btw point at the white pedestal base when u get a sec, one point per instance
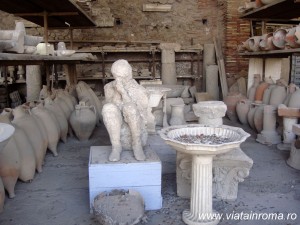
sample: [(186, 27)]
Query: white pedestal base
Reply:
[(128, 173)]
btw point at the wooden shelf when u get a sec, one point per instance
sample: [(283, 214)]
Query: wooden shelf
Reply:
[(58, 11), (270, 53), (279, 9)]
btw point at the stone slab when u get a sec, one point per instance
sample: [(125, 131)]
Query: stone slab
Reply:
[(128, 173)]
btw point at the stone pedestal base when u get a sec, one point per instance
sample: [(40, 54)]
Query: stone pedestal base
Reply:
[(294, 160), (228, 170), (268, 138), (128, 173)]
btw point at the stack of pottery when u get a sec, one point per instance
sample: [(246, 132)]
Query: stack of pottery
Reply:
[(83, 120)]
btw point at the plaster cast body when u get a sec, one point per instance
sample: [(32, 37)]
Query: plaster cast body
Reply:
[(125, 112)]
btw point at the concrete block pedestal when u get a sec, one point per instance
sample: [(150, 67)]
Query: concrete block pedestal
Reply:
[(128, 173)]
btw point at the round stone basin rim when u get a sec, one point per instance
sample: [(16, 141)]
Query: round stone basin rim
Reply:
[(236, 136)]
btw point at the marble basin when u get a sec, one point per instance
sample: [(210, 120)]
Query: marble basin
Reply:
[(235, 136), (6, 131)]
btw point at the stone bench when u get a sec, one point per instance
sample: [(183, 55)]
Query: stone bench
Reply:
[(228, 170)]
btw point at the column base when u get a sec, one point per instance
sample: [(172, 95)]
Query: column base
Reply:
[(187, 217), (268, 138), (284, 146)]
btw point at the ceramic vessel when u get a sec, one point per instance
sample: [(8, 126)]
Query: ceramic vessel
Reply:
[(259, 93), (266, 2), (252, 89), (51, 125), (278, 95), (231, 101), (242, 109), (294, 101), (10, 166), (60, 117), (28, 124), (266, 42), (279, 38), (177, 114), (267, 94), (27, 156), (291, 39), (250, 116), (258, 118), (291, 89), (83, 121), (254, 43)]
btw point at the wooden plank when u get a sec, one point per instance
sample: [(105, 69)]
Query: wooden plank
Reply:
[(255, 67), (221, 66)]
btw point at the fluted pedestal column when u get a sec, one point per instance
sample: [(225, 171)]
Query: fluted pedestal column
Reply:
[(269, 134), (201, 210)]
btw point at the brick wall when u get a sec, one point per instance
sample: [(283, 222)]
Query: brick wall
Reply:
[(237, 30)]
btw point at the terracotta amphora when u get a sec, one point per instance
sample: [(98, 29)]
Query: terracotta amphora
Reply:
[(242, 109), (291, 39), (291, 89), (60, 116), (83, 120), (252, 89), (267, 94), (30, 127), (259, 117), (51, 125), (85, 92), (27, 156), (231, 101), (279, 38), (10, 166), (278, 95), (2, 195), (295, 100), (250, 116), (260, 92)]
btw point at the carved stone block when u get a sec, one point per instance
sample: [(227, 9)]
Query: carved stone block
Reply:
[(228, 170)]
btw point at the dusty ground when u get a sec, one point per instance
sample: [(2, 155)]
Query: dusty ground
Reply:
[(59, 195)]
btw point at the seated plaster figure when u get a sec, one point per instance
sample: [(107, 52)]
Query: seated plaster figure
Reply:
[(125, 112)]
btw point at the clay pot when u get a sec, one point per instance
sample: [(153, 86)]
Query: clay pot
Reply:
[(44, 93), (278, 95), (254, 43), (266, 42), (279, 38), (27, 156), (83, 120), (28, 124), (258, 118), (250, 116), (60, 117), (61, 102), (60, 93), (267, 94), (291, 39), (242, 109), (10, 166), (2, 195), (51, 125), (231, 101), (295, 100), (85, 92), (260, 92), (291, 89), (252, 89)]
